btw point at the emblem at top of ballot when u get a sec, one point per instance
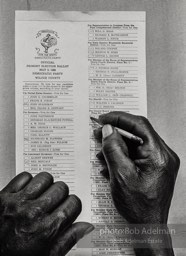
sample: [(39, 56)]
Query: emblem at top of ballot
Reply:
[(48, 40)]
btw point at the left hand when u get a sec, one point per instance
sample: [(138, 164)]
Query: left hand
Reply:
[(37, 215)]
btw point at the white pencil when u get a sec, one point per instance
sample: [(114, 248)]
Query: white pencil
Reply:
[(122, 132)]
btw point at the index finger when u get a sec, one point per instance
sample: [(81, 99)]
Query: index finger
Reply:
[(137, 125)]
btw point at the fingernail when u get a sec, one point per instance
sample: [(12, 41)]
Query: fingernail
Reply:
[(89, 229), (107, 130)]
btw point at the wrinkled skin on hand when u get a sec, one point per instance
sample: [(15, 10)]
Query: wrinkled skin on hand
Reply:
[(37, 215), (142, 177)]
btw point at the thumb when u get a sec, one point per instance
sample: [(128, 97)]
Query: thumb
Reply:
[(66, 240), (115, 152)]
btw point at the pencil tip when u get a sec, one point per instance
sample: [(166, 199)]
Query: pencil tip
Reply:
[(94, 119)]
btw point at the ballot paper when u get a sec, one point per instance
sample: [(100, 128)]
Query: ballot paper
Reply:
[(70, 66)]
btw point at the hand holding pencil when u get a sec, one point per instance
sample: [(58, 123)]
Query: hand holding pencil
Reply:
[(141, 186), (151, 171), (121, 132)]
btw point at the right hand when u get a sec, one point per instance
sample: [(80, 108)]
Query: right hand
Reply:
[(37, 215), (142, 177)]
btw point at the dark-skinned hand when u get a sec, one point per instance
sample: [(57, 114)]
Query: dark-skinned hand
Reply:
[(37, 215), (141, 177)]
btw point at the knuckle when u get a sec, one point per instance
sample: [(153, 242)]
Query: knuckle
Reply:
[(110, 144), (175, 161), (14, 204), (144, 123), (29, 210), (162, 160), (109, 147), (63, 216), (114, 146), (19, 212), (143, 120), (8, 206), (128, 172), (32, 212)]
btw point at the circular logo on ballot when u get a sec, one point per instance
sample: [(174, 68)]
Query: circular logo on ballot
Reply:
[(48, 40)]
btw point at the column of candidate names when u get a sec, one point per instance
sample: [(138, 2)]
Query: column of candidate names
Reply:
[(113, 85), (49, 129)]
